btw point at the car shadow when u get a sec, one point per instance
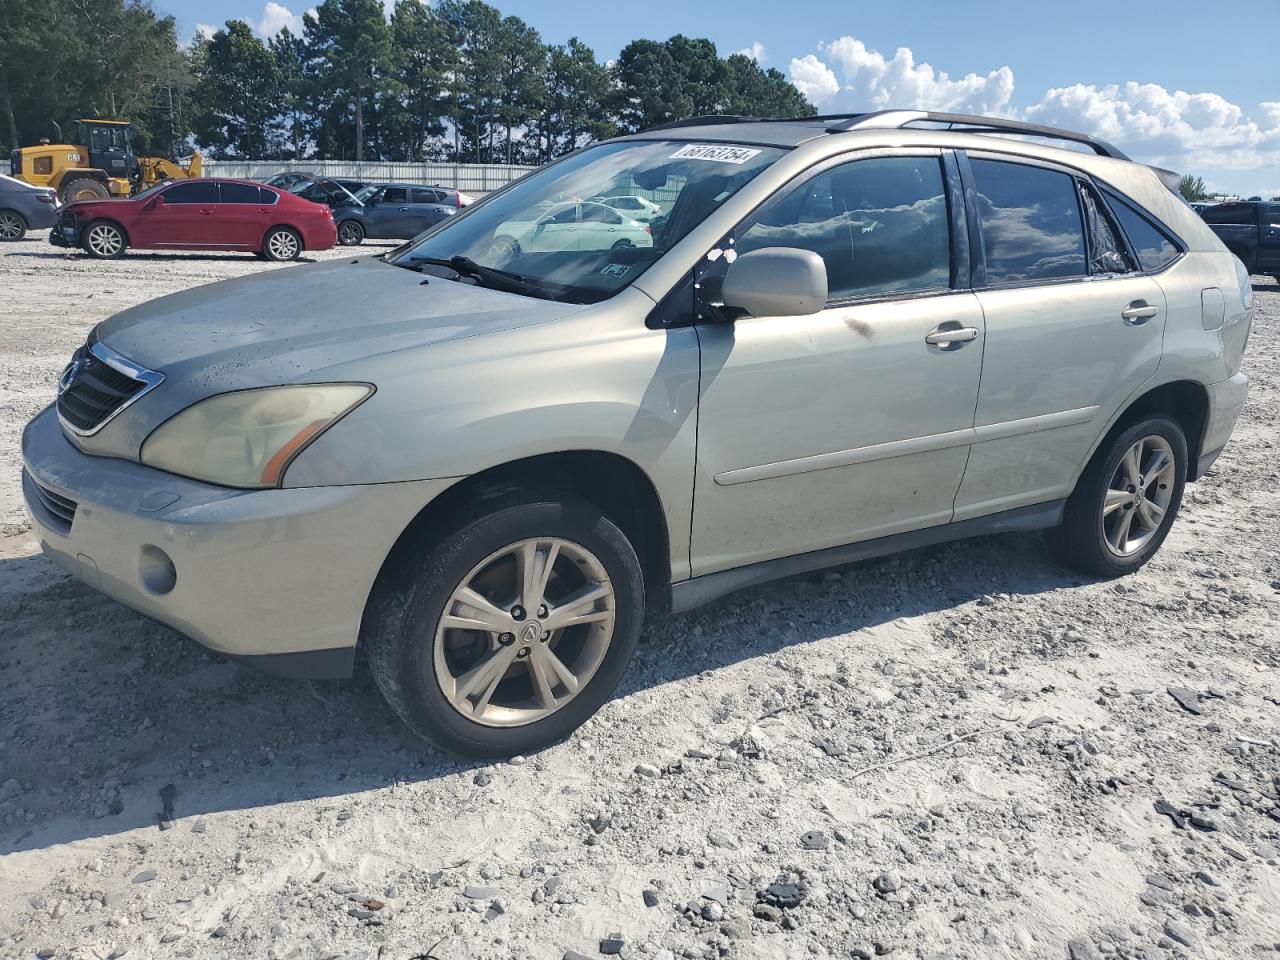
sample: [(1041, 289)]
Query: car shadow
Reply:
[(105, 712), (154, 255)]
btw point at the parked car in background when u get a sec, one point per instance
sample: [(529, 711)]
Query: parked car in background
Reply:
[(24, 207), (637, 208), (452, 196), (389, 211), (1251, 230), (204, 214), (571, 226), (329, 191), (849, 336), (288, 179)]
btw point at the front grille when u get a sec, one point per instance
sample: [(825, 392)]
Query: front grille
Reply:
[(61, 509), (92, 391)]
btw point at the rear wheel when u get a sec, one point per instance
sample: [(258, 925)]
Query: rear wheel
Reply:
[(83, 189), (12, 226), (1126, 500), (104, 240), (350, 233), (512, 630), (281, 243)]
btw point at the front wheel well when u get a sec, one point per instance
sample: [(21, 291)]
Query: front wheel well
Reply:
[(614, 484), (1185, 401)]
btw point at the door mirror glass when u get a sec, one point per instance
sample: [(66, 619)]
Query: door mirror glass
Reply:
[(776, 282), (156, 202)]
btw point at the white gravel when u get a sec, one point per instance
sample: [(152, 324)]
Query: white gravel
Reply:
[(954, 753)]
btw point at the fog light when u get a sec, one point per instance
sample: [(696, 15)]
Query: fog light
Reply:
[(156, 570)]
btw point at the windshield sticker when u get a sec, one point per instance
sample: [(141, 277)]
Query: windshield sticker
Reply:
[(720, 153), (616, 269)]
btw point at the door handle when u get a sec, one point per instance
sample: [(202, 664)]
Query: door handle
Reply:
[(1138, 313), (951, 336), (404, 209), (206, 213)]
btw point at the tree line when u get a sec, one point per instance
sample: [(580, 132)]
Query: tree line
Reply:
[(456, 80)]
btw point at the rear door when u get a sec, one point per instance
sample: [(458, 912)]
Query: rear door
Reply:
[(425, 209), (241, 217), (185, 219), (393, 214), (1073, 328), (1269, 237)]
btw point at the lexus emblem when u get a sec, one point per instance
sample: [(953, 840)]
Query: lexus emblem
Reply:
[(69, 374)]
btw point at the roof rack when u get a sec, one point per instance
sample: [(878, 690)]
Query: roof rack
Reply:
[(714, 118), (901, 119)]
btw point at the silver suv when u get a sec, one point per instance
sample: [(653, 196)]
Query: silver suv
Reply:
[(488, 455)]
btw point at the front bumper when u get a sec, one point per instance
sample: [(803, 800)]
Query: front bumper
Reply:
[(1226, 400), (278, 578), (65, 233)]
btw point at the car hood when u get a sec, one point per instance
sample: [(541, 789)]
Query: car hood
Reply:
[(287, 325)]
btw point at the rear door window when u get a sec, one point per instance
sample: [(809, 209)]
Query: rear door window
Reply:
[(1153, 247), (1031, 224), (395, 195), (880, 225), (239, 193), (194, 191), (420, 195)]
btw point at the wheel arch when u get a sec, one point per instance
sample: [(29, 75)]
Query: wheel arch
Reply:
[(616, 485), (1186, 401), (283, 225), (17, 213), (111, 220)]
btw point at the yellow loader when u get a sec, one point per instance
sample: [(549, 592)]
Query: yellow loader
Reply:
[(99, 165)]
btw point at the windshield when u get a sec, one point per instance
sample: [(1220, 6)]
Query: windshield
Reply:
[(154, 188), (574, 231)]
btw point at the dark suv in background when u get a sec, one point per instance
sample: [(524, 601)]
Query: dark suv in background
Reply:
[(1251, 230), (391, 211)]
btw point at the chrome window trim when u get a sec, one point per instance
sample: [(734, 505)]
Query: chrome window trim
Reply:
[(121, 364)]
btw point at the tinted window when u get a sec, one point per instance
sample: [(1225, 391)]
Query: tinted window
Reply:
[(267, 196), (1154, 249), (1273, 214), (599, 213), (239, 193), (423, 196), (395, 195), (568, 214), (195, 191), (880, 225), (1030, 219), (1229, 213)]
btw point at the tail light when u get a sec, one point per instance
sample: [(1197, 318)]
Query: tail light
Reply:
[(648, 230)]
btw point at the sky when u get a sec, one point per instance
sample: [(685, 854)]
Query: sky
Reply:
[(1158, 79)]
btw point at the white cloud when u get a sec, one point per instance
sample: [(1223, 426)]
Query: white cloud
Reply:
[(1202, 132), (205, 30), (275, 17), (755, 52), (873, 82)]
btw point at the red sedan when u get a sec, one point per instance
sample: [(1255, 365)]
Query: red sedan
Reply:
[(202, 214)]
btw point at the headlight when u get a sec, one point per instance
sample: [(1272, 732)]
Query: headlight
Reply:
[(247, 439)]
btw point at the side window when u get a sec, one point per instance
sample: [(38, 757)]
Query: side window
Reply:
[(1153, 247), (1229, 213), (1273, 214), (423, 196), (1031, 226), (599, 213), (395, 195), (1106, 248), (193, 191), (238, 193), (267, 197), (568, 214), (880, 225)]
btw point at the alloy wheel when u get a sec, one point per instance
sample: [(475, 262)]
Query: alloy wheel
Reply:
[(10, 226), (524, 632), (1138, 495), (350, 234), (105, 240), (283, 245)]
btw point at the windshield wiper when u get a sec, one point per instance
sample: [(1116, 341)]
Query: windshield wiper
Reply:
[(489, 276)]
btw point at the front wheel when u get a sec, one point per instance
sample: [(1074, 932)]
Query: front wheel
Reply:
[(281, 244), (12, 226), (350, 233), (1126, 500), (104, 240), (512, 630)]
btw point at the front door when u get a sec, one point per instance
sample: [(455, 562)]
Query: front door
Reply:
[(1073, 330), (184, 219), (850, 424)]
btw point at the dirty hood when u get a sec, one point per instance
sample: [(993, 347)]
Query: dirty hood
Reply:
[(288, 324)]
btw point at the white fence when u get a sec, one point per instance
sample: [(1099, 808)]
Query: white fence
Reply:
[(468, 177)]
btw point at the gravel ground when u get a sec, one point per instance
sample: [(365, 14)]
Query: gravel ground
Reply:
[(962, 752)]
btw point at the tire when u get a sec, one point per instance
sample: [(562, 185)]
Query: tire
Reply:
[(350, 233), (622, 245), (83, 189), (104, 240), (503, 248), (1088, 539), (13, 226), (415, 657), (282, 244)]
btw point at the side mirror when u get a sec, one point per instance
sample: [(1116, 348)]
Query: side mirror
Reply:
[(156, 202), (776, 282)]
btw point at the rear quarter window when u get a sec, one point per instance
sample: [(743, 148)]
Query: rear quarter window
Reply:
[(1152, 245)]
